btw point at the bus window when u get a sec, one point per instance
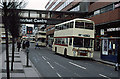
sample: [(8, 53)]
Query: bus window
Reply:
[(70, 41), (60, 27), (59, 40), (78, 42), (79, 24), (56, 28), (64, 26), (87, 42), (67, 25), (89, 26), (43, 40), (71, 25)]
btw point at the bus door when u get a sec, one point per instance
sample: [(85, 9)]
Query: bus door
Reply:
[(70, 46)]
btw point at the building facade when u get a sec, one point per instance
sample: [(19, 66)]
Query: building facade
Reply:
[(106, 16), (23, 30)]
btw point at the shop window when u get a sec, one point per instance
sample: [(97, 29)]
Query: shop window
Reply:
[(112, 47), (96, 12), (107, 8)]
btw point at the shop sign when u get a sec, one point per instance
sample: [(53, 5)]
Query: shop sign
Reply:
[(113, 29), (34, 20)]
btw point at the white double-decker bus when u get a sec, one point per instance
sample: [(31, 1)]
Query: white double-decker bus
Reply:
[(32, 39), (74, 38), (41, 38)]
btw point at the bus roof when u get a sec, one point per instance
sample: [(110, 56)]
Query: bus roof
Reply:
[(41, 32), (81, 19)]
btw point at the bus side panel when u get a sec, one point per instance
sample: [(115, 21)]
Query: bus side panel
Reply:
[(69, 51), (60, 48)]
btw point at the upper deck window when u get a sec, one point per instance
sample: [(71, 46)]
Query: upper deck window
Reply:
[(64, 26), (89, 26), (79, 24)]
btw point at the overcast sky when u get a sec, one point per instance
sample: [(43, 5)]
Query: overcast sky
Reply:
[(36, 4)]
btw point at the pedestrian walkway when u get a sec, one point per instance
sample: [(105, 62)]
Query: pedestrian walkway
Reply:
[(20, 69)]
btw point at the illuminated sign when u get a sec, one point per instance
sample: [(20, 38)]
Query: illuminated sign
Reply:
[(34, 20), (113, 29), (29, 30), (84, 35)]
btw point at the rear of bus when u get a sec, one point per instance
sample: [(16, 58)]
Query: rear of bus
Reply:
[(41, 38)]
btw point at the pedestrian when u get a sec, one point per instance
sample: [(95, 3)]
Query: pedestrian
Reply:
[(37, 46), (23, 45), (18, 45), (27, 43)]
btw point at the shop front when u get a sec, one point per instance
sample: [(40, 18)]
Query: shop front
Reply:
[(110, 45)]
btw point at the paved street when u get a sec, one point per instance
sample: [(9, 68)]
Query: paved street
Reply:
[(51, 65)]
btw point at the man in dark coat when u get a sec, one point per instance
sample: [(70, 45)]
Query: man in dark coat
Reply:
[(18, 45), (27, 44), (23, 45)]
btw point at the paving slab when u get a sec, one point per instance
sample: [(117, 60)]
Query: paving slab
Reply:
[(28, 72), (20, 71)]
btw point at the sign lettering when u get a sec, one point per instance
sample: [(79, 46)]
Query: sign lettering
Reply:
[(34, 20), (113, 29)]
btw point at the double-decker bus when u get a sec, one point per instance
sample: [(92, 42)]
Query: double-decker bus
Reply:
[(32, 39), (41, 38), (74, 38)]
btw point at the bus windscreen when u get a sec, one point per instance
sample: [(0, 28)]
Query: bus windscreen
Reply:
[(82, 42)]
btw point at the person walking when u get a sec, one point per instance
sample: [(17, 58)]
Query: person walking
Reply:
[(37, 46), (18, 45), (23, 45), (27, 43)]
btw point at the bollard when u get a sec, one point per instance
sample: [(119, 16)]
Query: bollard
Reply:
[(116, 67)]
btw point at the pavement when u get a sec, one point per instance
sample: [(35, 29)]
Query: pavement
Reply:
[(20, 68), (96, 57)]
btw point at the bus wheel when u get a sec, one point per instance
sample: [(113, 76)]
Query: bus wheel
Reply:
[(55, 50), (65, 52)]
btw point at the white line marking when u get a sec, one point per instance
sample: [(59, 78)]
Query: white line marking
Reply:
[(58, 74), (77, 65), (59, 65), (104, 76), (77, 74), (43, 57), (47, 58), (50, 65)]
